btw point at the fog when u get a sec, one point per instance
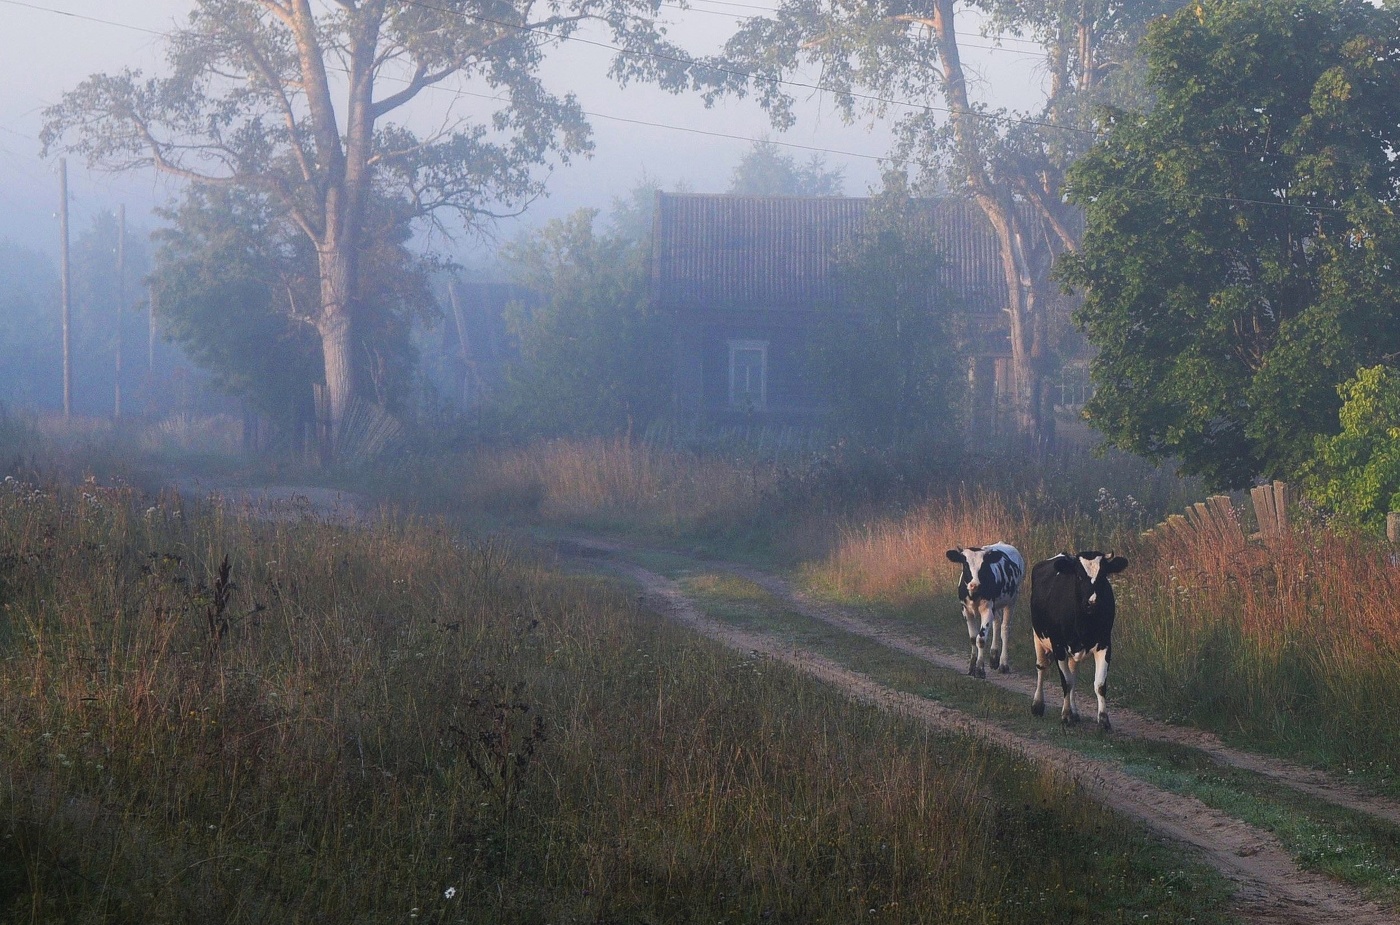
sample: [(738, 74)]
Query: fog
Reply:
[(47, 47)]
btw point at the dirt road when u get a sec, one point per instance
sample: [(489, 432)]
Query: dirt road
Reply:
[(1271, 887)]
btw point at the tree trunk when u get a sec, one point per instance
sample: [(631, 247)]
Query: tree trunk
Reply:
[(336, 326), (1010, 231)]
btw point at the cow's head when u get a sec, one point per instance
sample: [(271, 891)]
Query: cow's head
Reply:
[(1092, 568), (971, 559)]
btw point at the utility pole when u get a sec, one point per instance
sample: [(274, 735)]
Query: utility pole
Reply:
[(65, 289), (121, 306)]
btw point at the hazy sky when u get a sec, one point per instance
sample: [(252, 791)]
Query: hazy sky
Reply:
[(43, 53)]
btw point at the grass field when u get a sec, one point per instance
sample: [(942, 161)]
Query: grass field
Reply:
[(1289, 646), (398, 722)]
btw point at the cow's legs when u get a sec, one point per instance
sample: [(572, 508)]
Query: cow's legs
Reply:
[(974, 638), (1101, 687), (1042, 665), (1068, 713), (1001, 630)]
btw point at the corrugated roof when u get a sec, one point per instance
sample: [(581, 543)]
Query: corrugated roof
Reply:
[(713, 251)]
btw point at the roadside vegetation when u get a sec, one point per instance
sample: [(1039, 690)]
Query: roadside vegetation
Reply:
[(208, 717), (1288, 646)]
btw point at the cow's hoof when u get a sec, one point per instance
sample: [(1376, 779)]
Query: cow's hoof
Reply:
[(1038, 709), (1004, 668), (979, 672), (1069, 719), (1104, 724), (996, 661)]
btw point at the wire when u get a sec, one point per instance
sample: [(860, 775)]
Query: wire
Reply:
[(105, 22), (713, 134), (675, 59), (743, 16), (693, 62)]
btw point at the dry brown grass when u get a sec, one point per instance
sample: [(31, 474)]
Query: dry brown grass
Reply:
[(894, 559), (615, 480), (364, 724), (1296, 638)]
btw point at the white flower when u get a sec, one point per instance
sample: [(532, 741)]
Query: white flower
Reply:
[(450, 892)]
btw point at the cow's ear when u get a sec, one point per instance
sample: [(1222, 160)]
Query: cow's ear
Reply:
[(1112, 564), (956, 555), (1063, 564)]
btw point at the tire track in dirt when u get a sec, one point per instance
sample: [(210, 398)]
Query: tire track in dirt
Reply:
[(1315, 783), (1270, 888)]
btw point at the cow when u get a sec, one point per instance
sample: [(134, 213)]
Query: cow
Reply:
[(1072, 610), (991, 579)]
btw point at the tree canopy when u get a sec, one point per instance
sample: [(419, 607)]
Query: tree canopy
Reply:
[(594, 354), (1238, 262), (765, 170), (305, 105), (236, 285), (892, 354), (893, 57)]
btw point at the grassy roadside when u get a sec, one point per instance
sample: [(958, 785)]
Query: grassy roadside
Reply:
[(1322, 837), (1270, 647), (394, 723)]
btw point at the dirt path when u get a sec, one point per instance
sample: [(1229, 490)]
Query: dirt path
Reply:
[(1271, 888), (1314, 783), (281, 503)]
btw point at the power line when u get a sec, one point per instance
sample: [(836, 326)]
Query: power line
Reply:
[(105, 22), (674, 59), (484, 96), (1032, 53), (704, 132), (778, 81)]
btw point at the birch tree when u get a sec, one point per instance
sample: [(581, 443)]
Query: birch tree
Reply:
[(904, 59), (309, 105)]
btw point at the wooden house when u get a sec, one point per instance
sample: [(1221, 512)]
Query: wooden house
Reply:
[(475, 345), (747, 279)]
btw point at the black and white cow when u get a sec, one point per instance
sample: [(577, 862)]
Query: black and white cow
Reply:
[(991, 579), (1072, 612)]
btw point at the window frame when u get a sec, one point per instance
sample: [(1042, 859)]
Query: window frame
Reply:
[(737, 346)]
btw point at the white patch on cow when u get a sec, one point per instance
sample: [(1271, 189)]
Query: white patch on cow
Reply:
[(1101, 686), (1091, 567)]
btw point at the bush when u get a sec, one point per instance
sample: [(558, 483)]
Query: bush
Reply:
[(1357, 472)]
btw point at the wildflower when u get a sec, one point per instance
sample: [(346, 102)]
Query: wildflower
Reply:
[(450, 892)]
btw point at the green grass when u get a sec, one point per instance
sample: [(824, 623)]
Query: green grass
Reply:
[(1322, 837), (399, 722)]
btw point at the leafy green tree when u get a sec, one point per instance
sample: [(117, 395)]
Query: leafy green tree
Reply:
[(106, 322), (296, 102), (30, 343), (896, 57), (891, 355), (1356, 473), (632, 214), (1238, 263), (594, 354), (765, 170), (236, 285)]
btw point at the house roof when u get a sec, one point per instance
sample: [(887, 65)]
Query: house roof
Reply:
[(776, 252)]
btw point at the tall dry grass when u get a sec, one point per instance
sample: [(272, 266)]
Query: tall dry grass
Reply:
[(900, 559), (1291, 644), (209, 718), (1294, 640), (613, 481)]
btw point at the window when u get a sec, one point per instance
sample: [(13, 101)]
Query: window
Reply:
[(748, 374)]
